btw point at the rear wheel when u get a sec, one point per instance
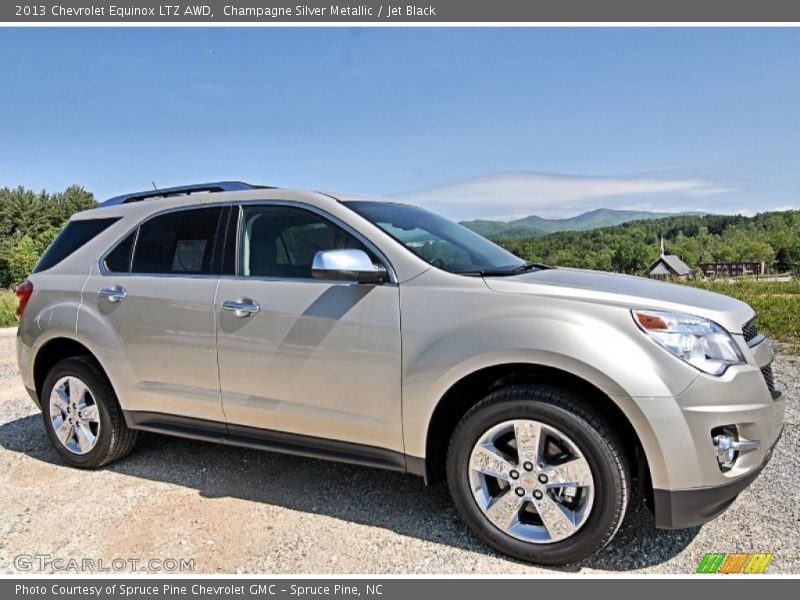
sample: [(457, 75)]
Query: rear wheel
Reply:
[(537, 475), (82, 416)]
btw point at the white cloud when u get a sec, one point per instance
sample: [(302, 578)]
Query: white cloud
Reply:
[(513, 195), (785, 207)]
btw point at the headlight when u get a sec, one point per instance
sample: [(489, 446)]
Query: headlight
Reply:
[(698, 341)]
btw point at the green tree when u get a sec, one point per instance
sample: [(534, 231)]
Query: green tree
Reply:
[(19, 254), (28, 223)]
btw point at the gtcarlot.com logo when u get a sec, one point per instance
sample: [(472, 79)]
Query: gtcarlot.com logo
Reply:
[(738, 562), (55, 564)]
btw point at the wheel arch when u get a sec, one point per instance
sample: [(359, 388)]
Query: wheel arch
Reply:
[(470, 389), (54, 351)]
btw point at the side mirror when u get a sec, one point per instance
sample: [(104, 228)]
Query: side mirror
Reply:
[(347, 265)]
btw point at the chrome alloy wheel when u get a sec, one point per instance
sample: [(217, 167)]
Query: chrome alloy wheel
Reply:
[(74, 415), (531, 481)]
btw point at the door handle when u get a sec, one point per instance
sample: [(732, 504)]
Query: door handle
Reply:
[(115, 294), (241, 308)]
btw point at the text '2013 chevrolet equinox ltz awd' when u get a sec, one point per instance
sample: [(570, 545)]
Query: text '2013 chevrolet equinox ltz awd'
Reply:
[(381, 334)]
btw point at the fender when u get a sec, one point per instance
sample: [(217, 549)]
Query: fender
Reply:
[(572, 343)]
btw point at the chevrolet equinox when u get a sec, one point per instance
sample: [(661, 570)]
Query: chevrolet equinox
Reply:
[(381, 334)]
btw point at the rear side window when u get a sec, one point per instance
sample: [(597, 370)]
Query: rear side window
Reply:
[(177, 243), (75, 235), (119, 260)]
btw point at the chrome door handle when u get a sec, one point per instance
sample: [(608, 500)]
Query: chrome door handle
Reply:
[(241, 308), (115, 294)]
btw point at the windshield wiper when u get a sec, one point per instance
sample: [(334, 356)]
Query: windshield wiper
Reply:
[(523, 268), (487, 273), (530, 266)]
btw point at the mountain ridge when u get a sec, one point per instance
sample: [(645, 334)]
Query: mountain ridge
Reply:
[(534, 225)]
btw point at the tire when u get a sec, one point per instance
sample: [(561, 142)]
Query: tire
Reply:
[(103, 437), (560, 426)]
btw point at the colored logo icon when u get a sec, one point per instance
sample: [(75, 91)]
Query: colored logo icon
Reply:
[(738, 562)]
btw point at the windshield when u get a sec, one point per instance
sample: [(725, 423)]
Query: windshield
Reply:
[(441, 242)]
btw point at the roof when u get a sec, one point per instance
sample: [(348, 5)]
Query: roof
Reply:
[(138, 209), (659, 268), (670, 263), (184, 190)]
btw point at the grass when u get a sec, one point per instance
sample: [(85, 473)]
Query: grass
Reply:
[(8, 309), (777, 304)]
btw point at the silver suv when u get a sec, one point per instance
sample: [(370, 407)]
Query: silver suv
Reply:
[(384, 335)]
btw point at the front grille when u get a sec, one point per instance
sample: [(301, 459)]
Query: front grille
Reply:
[(750, 330), (767, 373)]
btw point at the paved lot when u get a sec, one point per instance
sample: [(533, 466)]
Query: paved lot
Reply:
[(235, 510)]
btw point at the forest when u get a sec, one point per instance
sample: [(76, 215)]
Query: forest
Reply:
[(28, 223), (772, 237)]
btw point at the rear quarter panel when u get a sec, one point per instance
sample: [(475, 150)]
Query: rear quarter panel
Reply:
[(51, 313)]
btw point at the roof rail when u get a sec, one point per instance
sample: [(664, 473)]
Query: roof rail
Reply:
[(182, 190)]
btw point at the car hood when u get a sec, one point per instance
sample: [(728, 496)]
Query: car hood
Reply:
[(627, 291)]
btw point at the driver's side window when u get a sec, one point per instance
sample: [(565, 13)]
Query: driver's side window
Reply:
[(281, 241)]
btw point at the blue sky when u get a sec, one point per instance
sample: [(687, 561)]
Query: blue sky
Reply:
[(489, 123)]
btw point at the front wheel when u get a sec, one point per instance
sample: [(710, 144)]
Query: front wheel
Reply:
[(538, 475)]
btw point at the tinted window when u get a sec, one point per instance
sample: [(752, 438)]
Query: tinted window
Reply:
[(119, 260), (72, 237), (280, 241), (178, 243)]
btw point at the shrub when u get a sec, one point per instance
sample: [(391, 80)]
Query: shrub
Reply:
[(8, 309)]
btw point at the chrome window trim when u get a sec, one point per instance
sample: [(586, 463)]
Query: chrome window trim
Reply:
[(324, 215)]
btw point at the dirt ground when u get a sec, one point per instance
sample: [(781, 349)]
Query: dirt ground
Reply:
[(235, 510)]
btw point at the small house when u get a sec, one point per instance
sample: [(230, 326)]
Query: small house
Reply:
[(668, 265)]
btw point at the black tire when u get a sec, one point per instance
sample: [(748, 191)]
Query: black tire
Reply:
[(594, 437), (114, 439)]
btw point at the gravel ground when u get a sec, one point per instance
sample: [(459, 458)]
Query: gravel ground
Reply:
[(236, 510)]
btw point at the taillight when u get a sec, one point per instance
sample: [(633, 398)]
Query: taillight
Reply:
[(24, 293)]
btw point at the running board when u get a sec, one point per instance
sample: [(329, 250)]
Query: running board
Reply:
[(274, 441)]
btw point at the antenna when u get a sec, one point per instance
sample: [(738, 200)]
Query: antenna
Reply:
[(154, 185)]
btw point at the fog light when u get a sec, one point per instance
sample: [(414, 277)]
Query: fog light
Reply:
[(726, 455), (729, 446)]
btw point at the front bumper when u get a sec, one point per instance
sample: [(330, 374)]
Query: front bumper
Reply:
[(677, 435), (678, 509)]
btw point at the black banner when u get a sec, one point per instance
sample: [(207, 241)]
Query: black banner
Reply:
[(389, 11), (380, 589)]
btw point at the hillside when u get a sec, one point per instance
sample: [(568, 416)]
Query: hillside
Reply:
[(772, 237), (533, 225)]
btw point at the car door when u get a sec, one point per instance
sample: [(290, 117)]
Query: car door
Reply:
[(154, 293), (316, 358)]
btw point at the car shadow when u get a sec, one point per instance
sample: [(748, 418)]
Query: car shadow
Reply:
[(386, 499)]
